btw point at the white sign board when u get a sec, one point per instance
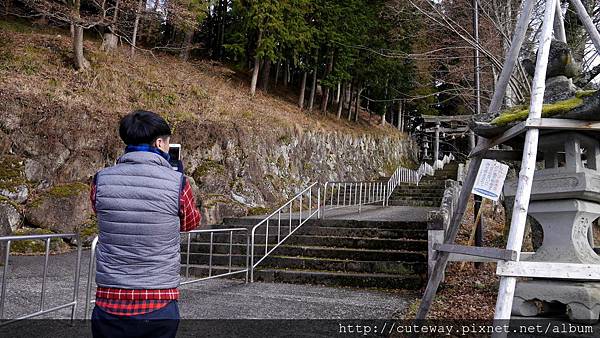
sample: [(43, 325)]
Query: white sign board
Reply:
[(490, 179)]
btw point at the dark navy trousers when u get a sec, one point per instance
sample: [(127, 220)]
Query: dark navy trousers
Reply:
[(162, 323)]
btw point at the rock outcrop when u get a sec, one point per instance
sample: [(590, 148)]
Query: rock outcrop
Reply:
[(64, 208), (236, 169)]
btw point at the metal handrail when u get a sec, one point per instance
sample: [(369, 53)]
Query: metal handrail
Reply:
[(290, 208), (359, 193), (210, 256), (47, 238), (188, 234)]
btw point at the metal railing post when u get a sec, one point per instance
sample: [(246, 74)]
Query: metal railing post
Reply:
[(230, 249), (247, 254), (210, 255), (360, 198), (319, 211), (77, 279), (252, 258), (267, 237), (44, 274), (88, 291), (187, 259), (319, 202), (4, 274)]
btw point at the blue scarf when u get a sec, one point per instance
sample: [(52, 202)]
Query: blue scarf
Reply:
[(148, 148)]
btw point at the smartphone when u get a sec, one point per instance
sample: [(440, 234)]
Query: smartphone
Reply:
[(175, 155)]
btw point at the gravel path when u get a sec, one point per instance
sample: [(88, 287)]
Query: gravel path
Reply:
[(215, 299)]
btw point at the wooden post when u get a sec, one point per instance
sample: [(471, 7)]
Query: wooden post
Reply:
[(471, 140), (506, 291), (559, 24), (402, 116), (442, 257), (399, 116), (513, 56), (476, 74), (587, 23), (436, 145)]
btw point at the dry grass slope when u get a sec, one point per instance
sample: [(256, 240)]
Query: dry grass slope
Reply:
[(36, 60)]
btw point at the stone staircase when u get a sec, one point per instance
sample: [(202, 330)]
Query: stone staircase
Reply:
[(380, 254), (428, 193), (336, 252)]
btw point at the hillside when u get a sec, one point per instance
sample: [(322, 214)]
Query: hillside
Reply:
[(35, 61), (245, 154)]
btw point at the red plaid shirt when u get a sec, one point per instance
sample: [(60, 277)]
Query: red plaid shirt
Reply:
[(126, 302)]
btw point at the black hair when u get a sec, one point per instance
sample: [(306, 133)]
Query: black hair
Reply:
[(142, 127)]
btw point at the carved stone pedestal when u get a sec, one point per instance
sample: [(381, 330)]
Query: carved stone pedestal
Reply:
[(580, 301), (565, 224), (565, 200)]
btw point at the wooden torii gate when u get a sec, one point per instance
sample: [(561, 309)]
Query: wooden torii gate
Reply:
[(432, 124), (509, 265)]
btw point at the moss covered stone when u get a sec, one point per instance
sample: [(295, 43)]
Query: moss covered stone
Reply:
[(4, 200), (520, 113), (63, 208), (207, 167), (67, 190), (12, 173), (33, 247), (258, 211)]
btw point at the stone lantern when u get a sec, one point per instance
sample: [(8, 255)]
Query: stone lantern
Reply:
[(565, 200)]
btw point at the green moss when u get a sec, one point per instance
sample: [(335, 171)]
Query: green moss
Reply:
[(199, 93), (17, 26), (389, 168), (404, 162), (90, 229), (212, 200), (207, 167), (12, 173), (59, 191), (67, 190), (285, 139), (10, 202), (280, 162), (307, 166), (6, 56), (548, 110), (36, 246), (401, 269), (258, 211)]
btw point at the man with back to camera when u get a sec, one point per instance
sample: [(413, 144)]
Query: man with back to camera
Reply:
[(141, 204)]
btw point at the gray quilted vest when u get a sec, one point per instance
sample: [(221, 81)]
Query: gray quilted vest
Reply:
[(137, 205)]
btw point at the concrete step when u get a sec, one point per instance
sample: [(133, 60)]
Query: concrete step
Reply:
[(416, 193), (421, 188), (415, 197), (204, 270), (325, 241), (324, 264), (368, 280), (251, 221), (326, 278), (401, 225), (363, 232), (431, 204), (314, 230), (343, 223), (285, 249), (218, 260), (310, 263), (359, 242)]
